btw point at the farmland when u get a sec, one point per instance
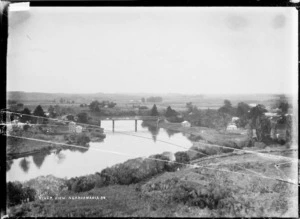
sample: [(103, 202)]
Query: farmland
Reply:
[(222, 173)]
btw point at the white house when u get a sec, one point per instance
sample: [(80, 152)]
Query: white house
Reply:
[(231, 126), (169, 155), (78, 129), (268, 114), (234, 119), (186, 124), (252, 104), (72, 127)]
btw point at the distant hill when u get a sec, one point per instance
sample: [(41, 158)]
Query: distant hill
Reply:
[(24, 97)]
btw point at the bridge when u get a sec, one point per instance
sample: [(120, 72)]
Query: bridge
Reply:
[(133, 118)]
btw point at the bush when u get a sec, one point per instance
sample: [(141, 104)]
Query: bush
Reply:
[(16, 194), (182, 157), (78, 139), (80, 184)]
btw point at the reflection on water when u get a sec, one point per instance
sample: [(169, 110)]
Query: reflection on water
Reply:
[(71, 161), (171, 132), (8, 164), (39, 158), (24, 164), (152, 129)]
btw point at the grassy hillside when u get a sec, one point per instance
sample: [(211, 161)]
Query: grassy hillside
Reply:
[(233, 190)]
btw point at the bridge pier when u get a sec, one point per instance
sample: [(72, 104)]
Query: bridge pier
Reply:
[(136, 125)]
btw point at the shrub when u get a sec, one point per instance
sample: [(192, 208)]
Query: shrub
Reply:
[(18, 194), (182, 157), (80, 184), (78, 139)]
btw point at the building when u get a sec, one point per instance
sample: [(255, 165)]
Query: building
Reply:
[(234, 119), (186, 124), (231, 127), (169, 155), (252, 104), (72, 127), (269, 114), (78, 129)]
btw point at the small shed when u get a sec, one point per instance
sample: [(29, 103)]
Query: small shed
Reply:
[(186, 124)]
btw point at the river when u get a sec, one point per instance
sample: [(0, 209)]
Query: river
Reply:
[(71, 163)]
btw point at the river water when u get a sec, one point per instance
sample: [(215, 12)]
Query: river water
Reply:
[(71, 163)]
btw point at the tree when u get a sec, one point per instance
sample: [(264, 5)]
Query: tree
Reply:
[(225, 113), (40, 113), (227, 103), (189, 106), (242, 109), (260, 122), (154, 111), (263, 128), (282, 104), (289, 128), (94, 106), (70, 117), (182, 157), (17, 193), (223, 120), (256, 112), (242, 112), (170, 112), (227, 108), (26, 116), (111, 104), (52, 112), (82, 118)]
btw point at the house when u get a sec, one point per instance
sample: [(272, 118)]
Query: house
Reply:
[(186, 124), (252, 104), (231, 127), (234, 119), (78, 129), (269, 114), (169, 155), (72, 127)]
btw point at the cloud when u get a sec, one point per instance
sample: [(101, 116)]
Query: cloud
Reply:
[(237, 22), (279, 21)]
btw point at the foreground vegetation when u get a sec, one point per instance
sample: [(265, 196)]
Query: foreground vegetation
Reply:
[(155, 188)]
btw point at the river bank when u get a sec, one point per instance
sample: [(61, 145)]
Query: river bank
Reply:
[(26, 143), (142, 187), (230, 139)]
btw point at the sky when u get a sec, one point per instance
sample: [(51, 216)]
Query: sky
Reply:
[(192, 50)]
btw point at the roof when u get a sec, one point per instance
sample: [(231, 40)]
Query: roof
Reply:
[(253, 104), (271, 114), (185, 122)]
